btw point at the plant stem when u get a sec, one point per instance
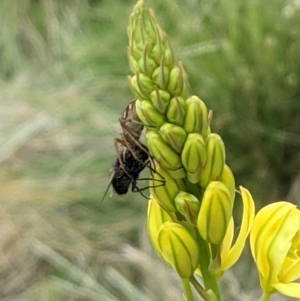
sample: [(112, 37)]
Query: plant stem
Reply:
[(198, 287), (265, 297), (204, 258), (187, 289)]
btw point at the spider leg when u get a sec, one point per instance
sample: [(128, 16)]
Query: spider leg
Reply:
[(130, 134), (126, 145), (153, 169), (106, 190), (162, 183), (116, 141), (135, 188)]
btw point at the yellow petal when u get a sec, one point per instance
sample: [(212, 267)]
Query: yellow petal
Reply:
[(227, 240), (264, 229), (290, 270), (247, 220), (288, 289), (282, 241), (156, 217), (262, 226)]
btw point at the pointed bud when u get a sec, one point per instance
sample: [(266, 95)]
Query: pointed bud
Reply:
[(185, 90), (194, 156), (188, 205), (173, 135), (147, 114), (146, 64), (175, 84), (132, 81), (163, 153), (135, 47), (215, 212), (196, 119), (133, 63), (165, 195), (176, 111), (160, 75), (160, 99), (178, 248), (157, 49), (215, 161), (144, 83), (227, 178), (169, 57)]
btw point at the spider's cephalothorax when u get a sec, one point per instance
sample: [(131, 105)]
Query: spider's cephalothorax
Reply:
[(132, 130)]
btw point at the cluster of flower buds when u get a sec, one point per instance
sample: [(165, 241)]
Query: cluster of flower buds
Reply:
[(193, 210)]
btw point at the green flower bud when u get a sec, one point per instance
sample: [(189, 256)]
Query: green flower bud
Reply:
[(177, 173), (160, 99), (215, 161), (135, 47), (156, 217), (132, 81), (178, 248), (175, 84), (176, 111), (227, 178), (185, 92), (160, 45), (194, 156), (169, 57), (146, 64), (153, 30), (144, 83), (196, 118), (215, 212), (165, 195), (161, 152), (160, 75), (147, 114), (133, 64), (173, 135), (188, 205)]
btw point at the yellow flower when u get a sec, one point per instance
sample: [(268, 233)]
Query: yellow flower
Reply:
[(275, 247)]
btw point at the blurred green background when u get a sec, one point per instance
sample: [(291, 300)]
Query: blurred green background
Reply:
[(63, 86)]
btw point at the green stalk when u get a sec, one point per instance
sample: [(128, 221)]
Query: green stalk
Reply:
[(192, 188), (198, 287), (265, 297), (187, 289), (209, 280)]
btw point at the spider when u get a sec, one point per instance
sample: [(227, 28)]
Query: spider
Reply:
[(134, 157)]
